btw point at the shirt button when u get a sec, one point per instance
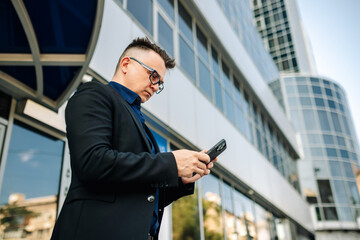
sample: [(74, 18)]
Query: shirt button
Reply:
[(151, 198)]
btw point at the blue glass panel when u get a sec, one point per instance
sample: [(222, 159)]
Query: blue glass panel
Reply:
[(335, 169), (215, 64), (240, 120), (314, 80), (348, 170), (202, 44), (336, 122), (185, 23), (162, 143), (187, 58), (328, 92), (229, 107), (62, 26), (13, 38), (331, 104), (319, 102), (165, 36), (25, 74), (305, 101), (324, 121), (340, 192), (303, 89), (143, 12), (57, 79), (204, 79), (33, 165), (331, 152), (218, 97), (168, 6), (328, 139), (316, 90)]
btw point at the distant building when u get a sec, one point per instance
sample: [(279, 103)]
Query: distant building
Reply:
[(35, 226)]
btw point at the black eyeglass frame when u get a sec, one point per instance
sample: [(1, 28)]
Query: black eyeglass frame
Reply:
[(159, 82)]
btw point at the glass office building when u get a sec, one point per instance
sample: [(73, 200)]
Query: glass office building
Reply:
[(218, 90), (279, 25), (317, 108), (319, 111)]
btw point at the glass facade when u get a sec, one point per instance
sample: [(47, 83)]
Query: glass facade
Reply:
[(240, 17), (271, 20), (331, 150), (205, 66), (30, 184)]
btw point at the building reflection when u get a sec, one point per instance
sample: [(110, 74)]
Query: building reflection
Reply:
[(31, 219)]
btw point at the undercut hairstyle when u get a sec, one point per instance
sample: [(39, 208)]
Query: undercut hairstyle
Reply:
[(146, 44)]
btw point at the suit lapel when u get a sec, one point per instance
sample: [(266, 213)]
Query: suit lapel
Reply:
[(135, 119)]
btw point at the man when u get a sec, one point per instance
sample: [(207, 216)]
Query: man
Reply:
[(120, 182)]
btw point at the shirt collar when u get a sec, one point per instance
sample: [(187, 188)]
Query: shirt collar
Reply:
[(129, 96)]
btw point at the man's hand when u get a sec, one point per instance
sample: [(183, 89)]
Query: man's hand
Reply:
[(192, 165)]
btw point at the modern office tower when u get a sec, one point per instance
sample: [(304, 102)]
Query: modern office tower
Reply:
[(279, 25), (218, 90), (319, 111)]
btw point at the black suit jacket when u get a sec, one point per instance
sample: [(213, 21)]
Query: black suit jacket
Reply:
[(114, 174)]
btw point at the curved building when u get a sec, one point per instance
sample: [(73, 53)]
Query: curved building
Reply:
[(319, 111), (217, 90)]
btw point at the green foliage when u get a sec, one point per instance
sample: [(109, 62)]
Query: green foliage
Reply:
[(14, 216), (185, 218)]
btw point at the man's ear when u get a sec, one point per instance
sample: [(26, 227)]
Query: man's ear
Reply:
[(124, 64)]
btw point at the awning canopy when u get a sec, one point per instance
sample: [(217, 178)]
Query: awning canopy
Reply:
[(46, 46)]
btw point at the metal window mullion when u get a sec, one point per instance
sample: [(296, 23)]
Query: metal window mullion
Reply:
[(7, 141)]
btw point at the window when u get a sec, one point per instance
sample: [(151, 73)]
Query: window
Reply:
[(328, 92), (202, 44), (244, 216), (330, 213), (212, 207), (218, 94), (168, 6), (324, 122), (165, 36), (309, 120), (32, 171), (331, 152), (316, 90), (319, 102), (204, 79), (143, 14), (340, 192), (335, 168), (325, 191), (354, 193), (336, 122), (320, 169), (185, 23), (303, 89), (187, 58), (229, 211), (348, 170), (328, 139)]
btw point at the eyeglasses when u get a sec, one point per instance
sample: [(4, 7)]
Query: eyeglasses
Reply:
[(154, 76)]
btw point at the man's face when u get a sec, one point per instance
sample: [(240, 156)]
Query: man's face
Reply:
[(137, 75)]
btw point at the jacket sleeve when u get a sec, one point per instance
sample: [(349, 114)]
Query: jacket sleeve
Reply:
[(89, 120)]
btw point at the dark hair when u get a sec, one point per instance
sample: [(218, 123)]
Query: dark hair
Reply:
[(146, 44)]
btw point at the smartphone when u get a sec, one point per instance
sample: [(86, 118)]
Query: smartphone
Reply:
[(216, 149)]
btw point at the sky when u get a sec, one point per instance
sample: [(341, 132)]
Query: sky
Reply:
[(333, 30)]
